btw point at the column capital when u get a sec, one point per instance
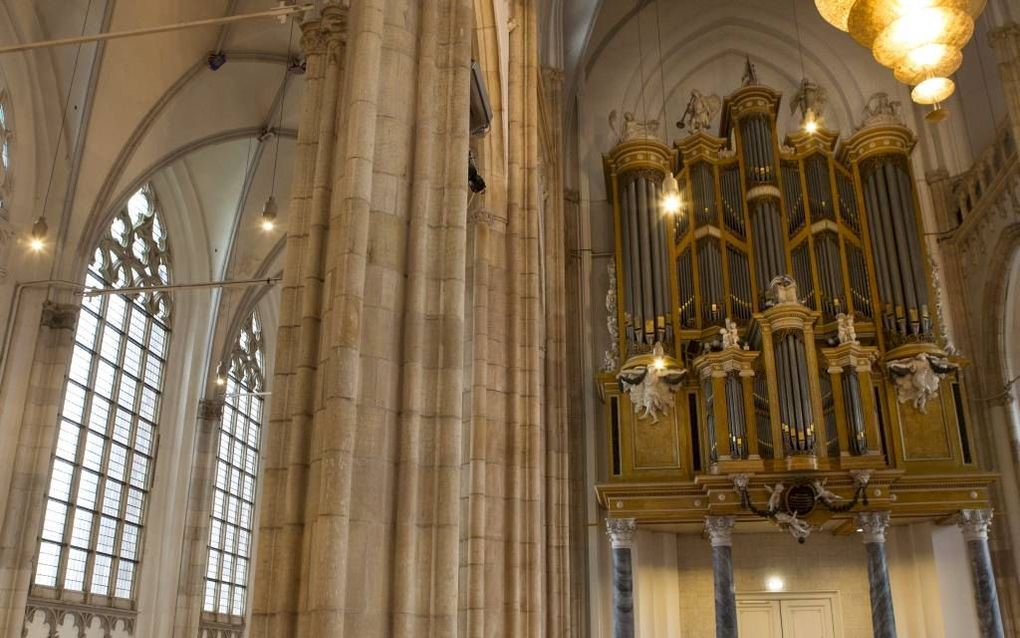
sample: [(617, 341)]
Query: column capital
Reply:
[(60, 316), (621, 532), (873, 524), (316, 35), (1002, 34), (211, 409), (975, 524), (720, 530)]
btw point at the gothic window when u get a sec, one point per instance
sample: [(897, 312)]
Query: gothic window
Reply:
[(91, 540), (237, 458), (5, 153)]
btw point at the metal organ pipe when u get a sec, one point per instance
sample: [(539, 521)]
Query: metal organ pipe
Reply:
[(901, 244), (647, 305), (658, 279), (885, 289), (735, 409), (633, 265)]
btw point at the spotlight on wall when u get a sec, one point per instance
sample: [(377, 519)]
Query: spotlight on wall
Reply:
[(475, 181), (775, 583), (221, 374), (216, 59), (269, 214), (37, 240)]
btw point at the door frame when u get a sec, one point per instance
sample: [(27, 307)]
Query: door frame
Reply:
[(831, 595)]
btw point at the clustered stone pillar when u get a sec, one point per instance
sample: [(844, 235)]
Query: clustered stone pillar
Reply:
[(621, 534), (1005, 40), (874, 524), (720, 534), (975, 524), (414, 465)]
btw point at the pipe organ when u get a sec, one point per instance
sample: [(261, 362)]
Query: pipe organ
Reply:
[(793, 288)]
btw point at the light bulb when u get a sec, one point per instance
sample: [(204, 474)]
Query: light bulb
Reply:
[(660, 363), (671, 201), (811, 126), (37, 240), (269, 214), (220, 377)]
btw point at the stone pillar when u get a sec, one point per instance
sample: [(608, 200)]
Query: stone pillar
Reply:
[(975, 524), (1006, 42), (720, 533), (194, 555), (35, 440), (874, 524), (621, 533)]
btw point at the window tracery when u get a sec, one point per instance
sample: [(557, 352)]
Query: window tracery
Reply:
[(6, 136), (237, 457), (91, 540)]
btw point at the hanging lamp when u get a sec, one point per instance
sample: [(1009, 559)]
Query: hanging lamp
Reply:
[(921, 41), (671, 202)]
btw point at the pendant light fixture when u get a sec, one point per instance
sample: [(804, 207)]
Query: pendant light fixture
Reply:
[(269, 209), (40, 229), (672, 203), (809, 119), (920, 40)]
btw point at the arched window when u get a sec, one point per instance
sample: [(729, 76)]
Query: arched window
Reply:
[(237, 459), (5, 152), (91, 539)]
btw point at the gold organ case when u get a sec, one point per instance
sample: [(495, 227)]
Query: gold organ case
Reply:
[(797, 397)]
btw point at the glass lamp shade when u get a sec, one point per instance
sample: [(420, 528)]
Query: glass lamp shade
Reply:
[(933, 91), (931, 60), (835, 12), (925, 22), (913, 36)]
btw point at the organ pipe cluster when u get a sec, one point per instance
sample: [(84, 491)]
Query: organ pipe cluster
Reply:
[(786, 240)]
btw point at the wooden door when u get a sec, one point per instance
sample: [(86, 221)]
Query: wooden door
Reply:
[(759, 619), (810, 618)]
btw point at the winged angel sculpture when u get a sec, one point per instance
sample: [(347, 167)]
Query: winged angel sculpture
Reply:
[(917, 378)]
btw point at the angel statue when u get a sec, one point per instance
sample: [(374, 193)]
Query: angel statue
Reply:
[(845, 327), (701, 111), (652, 383), (917, 378), (775, 496), (800, 529), (783, 290), (823, 493), (632, 128), (730, 335)]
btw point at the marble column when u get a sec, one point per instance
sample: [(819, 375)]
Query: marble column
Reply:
[(975, 524), (874, 524), (621, 534), (720, 533)]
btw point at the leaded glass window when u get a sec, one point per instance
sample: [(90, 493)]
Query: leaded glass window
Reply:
[(5, 151), (91, 539), (237, 459)]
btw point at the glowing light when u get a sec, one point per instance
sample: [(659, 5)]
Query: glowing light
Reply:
[(775, 583), (671, 200), (269, 214), (659, 363), (221, 379), (933, 90), (811, 126), (36, 245), (917, 39)]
